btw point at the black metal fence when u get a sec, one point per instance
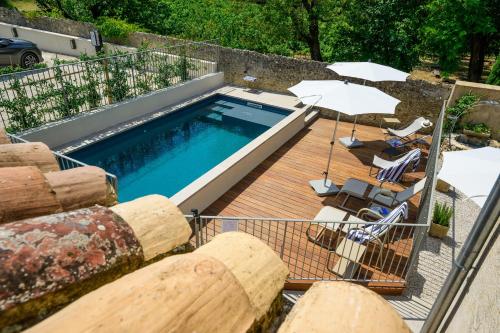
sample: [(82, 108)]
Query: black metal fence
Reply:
[(31, 98), (320, 250)]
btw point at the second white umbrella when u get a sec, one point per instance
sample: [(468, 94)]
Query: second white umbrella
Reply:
[(343, 97), (474, 172), (366, 71)]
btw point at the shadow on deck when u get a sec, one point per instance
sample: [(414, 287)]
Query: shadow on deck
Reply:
[(278, 189)]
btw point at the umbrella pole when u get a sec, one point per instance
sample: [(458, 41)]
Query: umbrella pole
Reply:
[(354, 127), (355, 120), (332, 143)]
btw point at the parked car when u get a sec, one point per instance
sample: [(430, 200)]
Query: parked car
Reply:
[(19, 52)]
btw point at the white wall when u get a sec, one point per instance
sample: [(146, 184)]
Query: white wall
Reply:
[(480, 307), (49, 41), (63, 132)]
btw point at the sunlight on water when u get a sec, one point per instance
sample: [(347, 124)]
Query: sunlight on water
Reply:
[(165, 155)]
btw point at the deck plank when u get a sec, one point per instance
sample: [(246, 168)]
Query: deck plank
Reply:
[(278, 188)]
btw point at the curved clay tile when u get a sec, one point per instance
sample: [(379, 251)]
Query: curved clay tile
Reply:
[(157, 222), (258, 268), (28, 154), (25, 193), (48, 261), (342, 307), (184, 293)]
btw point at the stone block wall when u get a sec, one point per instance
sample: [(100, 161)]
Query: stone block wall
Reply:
[(62, 26), (273, 72), (485, 91), (277, 73), (486, 111)]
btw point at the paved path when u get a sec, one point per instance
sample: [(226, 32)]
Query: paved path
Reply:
[(435, 262)]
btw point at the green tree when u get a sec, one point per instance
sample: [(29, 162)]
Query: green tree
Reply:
[(494, 77), (385, 31), (306, 18), (456, 27)]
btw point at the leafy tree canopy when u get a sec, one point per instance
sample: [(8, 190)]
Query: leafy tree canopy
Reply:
[(392, 32)]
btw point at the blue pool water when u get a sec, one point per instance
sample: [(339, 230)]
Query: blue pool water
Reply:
[(165, 155)]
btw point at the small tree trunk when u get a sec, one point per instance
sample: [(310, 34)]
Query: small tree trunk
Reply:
[(314, 46), (479, 43), (313, 38)]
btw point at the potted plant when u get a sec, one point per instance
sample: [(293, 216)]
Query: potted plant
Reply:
[(440, 220), (478, 130)]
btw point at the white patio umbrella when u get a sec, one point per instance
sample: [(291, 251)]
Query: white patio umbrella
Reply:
[(473, 172), (343, 97), (367, 71)]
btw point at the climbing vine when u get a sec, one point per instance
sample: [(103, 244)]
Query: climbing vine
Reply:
[(166, 73), (32, 99), (19, 106)]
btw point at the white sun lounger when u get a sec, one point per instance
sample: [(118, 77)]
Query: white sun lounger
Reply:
[(413, 128), (352, 248), (385, 164), (327, 214)]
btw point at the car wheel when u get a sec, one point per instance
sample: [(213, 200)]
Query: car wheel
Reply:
[(29, 59)]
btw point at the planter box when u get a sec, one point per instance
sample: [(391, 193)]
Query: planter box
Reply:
[(438, 230), (442, 186), (477, 135)]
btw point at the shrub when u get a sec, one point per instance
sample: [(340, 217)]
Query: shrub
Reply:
[(115, 30), (442, 214), (477, 128), (117, 86), (166, 73), (18, 108), (494, 77), (183, 66), (16, 69), (462, 105)]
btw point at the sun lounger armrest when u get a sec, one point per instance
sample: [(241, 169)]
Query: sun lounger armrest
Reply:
[(370, 213)]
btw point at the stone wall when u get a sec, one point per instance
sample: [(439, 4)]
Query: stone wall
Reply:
[(277, 73), (486, 111), (274, 73), (62, 26), (485, 91)]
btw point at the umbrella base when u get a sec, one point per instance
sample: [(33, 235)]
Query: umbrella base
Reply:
[(350, 143), (323, 187)]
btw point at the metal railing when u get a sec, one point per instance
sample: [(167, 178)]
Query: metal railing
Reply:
[(321, 250), (427, 199), (66, 162), (32, 98)]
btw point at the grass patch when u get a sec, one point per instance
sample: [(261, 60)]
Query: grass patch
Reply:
[(24, 5)]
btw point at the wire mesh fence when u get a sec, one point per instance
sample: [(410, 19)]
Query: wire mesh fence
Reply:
[(323, 250), (31, 98)]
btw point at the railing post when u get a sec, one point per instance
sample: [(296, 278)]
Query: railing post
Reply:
[(283, 244), (196, 227)]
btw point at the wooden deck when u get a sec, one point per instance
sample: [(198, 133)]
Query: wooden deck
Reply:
[(278, 188)]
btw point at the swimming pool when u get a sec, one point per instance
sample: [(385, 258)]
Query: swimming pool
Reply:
[(168, 153)]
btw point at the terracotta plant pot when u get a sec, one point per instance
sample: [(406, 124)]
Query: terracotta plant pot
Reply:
[(438, 230), (442, 186), (477, 135)]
